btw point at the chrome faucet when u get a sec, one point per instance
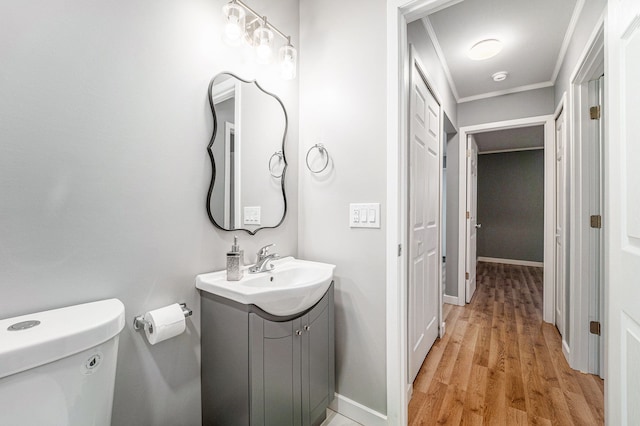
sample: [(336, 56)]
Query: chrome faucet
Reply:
[(263, 260)]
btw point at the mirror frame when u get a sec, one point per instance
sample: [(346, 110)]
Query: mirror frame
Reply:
[(213, 163)]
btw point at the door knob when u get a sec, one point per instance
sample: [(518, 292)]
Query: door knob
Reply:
[(478, 225), (298, 333)]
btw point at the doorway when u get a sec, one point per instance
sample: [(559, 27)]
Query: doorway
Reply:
[(399, 13), (547, 122)]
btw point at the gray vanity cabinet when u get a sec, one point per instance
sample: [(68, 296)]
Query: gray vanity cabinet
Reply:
[(280, 372)]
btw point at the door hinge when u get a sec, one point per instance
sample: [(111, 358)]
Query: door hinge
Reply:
[(594, 327), (596, 221), (399, 250), (466, 275), (468, 215), (594, 112), (468, 153)]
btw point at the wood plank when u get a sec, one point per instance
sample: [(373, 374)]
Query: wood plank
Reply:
[(593, 394), (452, 406), (516, 417), (499, 363), (476, 389), (471, 419)]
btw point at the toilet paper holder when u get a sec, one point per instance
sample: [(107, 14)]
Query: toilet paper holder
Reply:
[(139, 322)]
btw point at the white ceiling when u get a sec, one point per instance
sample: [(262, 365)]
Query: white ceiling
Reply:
[(510, 139), (534, 33)]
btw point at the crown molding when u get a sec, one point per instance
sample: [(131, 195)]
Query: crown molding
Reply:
[(506, 91)]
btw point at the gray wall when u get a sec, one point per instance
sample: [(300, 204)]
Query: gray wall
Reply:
[(511, 205), (419, 38), (104, 123), (531, 103), (589, 16), (343, 105)]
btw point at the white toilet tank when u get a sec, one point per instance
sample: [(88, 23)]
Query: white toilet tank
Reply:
[(58, 367)]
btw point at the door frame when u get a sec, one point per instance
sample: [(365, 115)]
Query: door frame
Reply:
[(589, 63), (399, 13), (548, 121)]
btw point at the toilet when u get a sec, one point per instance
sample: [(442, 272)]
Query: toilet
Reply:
[(58, 367)]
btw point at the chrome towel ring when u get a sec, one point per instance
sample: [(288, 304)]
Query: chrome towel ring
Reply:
[(280, 157), (323, 151)]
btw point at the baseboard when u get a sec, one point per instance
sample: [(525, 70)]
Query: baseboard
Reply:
[(566, 351), (357, 412), (451, 300), (511, 261)]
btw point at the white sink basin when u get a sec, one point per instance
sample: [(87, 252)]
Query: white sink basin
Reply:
[(291, 287)]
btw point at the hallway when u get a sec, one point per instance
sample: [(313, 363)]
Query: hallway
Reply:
[(500, 364)]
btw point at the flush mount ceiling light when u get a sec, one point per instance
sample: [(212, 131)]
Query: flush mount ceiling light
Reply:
[(244, 23), (500, 76), (485, 49)]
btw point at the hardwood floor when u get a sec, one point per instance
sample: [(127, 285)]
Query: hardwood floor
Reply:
[(499, 364)]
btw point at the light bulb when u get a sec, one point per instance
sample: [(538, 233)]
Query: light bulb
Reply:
[(235, 17), (288, 61), (262, 39)]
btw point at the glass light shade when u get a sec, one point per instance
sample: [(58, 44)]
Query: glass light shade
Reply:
[(235, 17), (485, 49), (262, 40), (288, 62)]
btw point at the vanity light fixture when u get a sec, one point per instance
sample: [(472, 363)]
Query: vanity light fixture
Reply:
[(485, 49), (262, 40), (235, 23), (500, 76), (288, 59), (242, 22)]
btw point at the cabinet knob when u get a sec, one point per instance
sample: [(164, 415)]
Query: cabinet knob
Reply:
[(298, 333), (307, 327)]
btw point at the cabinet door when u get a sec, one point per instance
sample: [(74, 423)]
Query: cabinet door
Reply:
[(275, 372), (317, 361)]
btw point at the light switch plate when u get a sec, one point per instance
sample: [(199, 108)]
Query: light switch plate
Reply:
[(252, 215), (364, 215)]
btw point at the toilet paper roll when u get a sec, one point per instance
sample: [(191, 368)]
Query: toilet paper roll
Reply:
[(165, 323)]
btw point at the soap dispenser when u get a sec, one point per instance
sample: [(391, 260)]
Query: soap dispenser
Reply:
[(235, 262)]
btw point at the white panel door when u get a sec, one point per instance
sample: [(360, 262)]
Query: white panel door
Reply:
[(472, 217), (424, 184), (560, 258), (621, 223)]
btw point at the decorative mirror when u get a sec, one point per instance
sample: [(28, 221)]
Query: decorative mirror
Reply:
[(247, 155)]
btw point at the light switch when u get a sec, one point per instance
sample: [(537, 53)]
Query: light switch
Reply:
[(364, 215), (252, 215)]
